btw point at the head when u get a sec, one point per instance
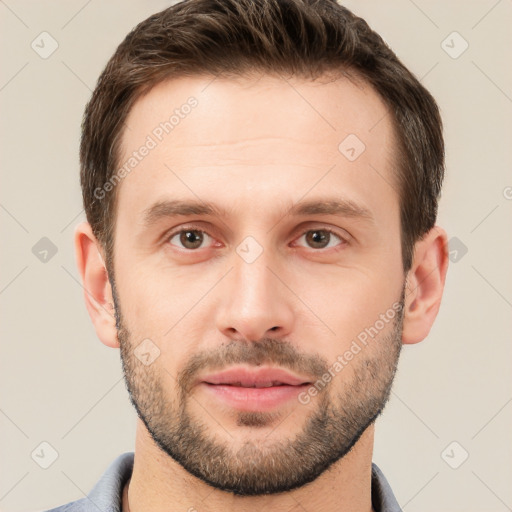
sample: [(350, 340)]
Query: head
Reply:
[(261, 181)]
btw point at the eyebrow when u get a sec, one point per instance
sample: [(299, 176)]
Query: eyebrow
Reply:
[(328, 206), (340, 207)]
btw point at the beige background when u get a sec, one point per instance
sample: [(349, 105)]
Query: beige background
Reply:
[(60, 385)]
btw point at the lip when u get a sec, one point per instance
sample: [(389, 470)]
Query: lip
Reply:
[(253, 399), (261, 389), (250, 377)]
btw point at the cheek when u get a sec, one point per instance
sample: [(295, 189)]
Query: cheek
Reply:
[(166, 312), (346, 304), (150, 300)]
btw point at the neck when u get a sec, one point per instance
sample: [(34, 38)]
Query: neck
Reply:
[(159, 484)]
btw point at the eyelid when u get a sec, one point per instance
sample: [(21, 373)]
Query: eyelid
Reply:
[(316, 226)]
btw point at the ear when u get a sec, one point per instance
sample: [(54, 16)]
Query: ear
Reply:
[(97, 289), (425, 285)]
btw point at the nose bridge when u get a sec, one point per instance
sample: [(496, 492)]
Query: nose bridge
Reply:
[(253, 281), (254, 300)]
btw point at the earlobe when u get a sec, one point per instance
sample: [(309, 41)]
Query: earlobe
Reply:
[(97, 289), (425, 285)]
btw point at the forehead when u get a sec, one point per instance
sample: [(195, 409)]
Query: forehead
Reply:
[(256, 134), (228, 110)]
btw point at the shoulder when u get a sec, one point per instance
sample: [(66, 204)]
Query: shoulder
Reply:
[(383, 499), (73, 506), (107, 493)]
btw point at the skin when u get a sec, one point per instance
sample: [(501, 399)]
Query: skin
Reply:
[(239, 148)]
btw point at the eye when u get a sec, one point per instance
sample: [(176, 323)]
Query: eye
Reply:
[(190, 238), (321, 238)]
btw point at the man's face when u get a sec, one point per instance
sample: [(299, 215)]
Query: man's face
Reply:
[(212, 304)]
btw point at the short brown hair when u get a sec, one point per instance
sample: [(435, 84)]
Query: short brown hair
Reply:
[(302, 38)]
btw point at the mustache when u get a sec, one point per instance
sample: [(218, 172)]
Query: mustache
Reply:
[(255, 353)]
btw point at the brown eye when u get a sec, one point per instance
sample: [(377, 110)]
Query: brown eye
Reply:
[(318, 239), (321, 238), (189, 238)]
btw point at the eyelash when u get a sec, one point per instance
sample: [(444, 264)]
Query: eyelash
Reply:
[(343, 240)]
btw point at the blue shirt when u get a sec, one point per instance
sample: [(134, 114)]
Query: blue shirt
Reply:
[(106, 495)]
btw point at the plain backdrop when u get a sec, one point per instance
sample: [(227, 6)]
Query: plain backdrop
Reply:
[(444, 440)]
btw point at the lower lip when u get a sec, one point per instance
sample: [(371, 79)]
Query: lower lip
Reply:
[(254, 399)]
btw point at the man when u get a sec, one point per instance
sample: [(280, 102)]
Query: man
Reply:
[(261, 182)]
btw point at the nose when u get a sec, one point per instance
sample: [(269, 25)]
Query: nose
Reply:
[(255, 303)]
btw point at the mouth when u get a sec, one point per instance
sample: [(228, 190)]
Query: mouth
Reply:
[(250, 389), (258, 384), (255, 378)]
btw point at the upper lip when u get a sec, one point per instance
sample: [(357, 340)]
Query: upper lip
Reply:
[(260, 377)]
